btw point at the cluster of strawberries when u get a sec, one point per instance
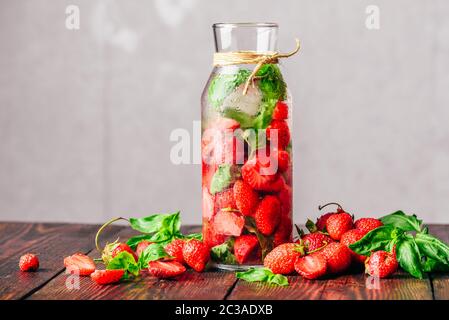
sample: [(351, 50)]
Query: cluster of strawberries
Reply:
[(325, 250), (190, 252), (265, 197)]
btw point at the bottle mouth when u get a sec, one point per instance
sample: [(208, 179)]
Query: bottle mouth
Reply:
[(245, 25)]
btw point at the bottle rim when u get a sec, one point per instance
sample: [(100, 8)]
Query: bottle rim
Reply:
[(245, 25)]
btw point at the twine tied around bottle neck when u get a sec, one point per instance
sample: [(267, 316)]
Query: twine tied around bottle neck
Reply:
[(251, 57)]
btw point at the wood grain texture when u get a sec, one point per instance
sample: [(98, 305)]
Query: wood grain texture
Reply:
[(440, 281), (189, 286), (211, 285), (51, 242)]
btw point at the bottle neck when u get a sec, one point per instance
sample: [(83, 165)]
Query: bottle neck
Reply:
[(258, 37)]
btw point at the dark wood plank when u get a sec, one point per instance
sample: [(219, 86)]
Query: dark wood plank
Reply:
[(211, 285), (299, 289), (51, 242), (440, 281), (189, 286), (357, 286)]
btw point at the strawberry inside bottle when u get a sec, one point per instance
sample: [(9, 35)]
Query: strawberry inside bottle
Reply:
[(246, 151)]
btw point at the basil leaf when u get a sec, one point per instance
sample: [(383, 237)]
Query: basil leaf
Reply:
[(223, 84), (430, 265), (433, 248), (197, 236), (222, 253), (262, 275), (162, 227), (378, 239), (245, 120), (409, 257), (222, 178), (400, 220), (134, 241), (156, 222), (273, 88), (124, 260), (153, 252)]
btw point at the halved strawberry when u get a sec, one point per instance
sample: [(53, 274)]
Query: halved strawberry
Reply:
[(141, 246), (165, 269), (107, 276), (311, 266), (174, 249), (280, 111), (228, 223), (279, 127), (124, 247), (210, 237), (246, 199), (208, 204), (244, 246), (268, 214), (221, 146), (79, 263), (225, 200)]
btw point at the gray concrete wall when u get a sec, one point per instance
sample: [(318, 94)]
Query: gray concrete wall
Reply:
[(85, 115)]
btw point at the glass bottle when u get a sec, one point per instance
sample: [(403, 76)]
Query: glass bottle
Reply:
[(246, 149)]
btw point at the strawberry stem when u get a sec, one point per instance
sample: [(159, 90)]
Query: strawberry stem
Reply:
[(331, 203), (104, 226)]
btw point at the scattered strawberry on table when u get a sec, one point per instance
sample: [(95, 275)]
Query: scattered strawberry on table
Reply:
[(335, 244), (29, 262)]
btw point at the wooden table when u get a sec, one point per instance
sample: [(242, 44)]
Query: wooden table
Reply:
[(52, 242)]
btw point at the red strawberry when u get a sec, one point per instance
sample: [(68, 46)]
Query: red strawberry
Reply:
[(280, 111), (283, 232), (221, 146), (285, 198), (312, 266), (29, 262), (381, 264), (225, 200), (246, 199), (210, 237), (268, 214), (367, 224), (338, 223), (123, 247), (350, 237), (314, 241), (244, 246), (252, 174), (283, 160), (80, 263), (229, 223), (321, 221), (196, 254), (283, 133), (107, 276), (338, 257), (174, 249), (208, 204), (165, 269), (281, 260), (141, 246)]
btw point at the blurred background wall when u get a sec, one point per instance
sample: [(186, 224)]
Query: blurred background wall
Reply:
[(85, 115)]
